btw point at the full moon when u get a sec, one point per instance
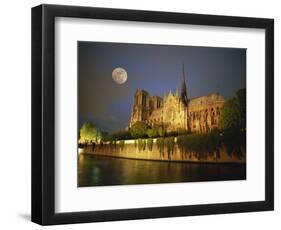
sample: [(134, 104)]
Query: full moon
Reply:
[(119, 75)]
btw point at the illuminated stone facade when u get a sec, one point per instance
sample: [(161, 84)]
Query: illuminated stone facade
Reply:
[(204, 112), (176, 112)]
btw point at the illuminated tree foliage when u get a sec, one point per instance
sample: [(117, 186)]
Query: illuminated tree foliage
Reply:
[(152, 133), (160, 145), (161, 132), (233, 124), (89, 133), (141, 144), (233, 113), (121, 135), (201, 145), (149, 144), (139, 129), (169, 143)]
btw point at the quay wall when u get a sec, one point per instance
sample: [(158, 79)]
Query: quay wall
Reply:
[(130, 149)]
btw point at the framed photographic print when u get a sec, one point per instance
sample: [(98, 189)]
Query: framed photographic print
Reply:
[(141, 114)]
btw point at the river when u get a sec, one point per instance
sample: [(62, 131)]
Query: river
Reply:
[(102, 171)]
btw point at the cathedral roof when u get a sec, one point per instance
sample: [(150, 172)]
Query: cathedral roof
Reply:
[(206, 99)]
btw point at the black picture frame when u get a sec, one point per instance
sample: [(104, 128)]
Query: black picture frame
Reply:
[(43, 114)]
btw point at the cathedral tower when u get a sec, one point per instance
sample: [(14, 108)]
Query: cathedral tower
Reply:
[(141, 107), (183, 88), (185, 100)]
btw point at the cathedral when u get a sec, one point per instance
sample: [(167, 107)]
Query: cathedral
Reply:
[(176, 111)]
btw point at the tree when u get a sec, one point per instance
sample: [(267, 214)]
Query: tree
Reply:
[(233, 113), (152, 133), (161, 132), (89, 132), (230, 115), (241, 98), (233, 124), (139, 129)]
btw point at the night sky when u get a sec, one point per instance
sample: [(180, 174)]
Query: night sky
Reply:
[(154, 68)]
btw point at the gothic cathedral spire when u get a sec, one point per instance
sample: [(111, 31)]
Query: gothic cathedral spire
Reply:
[(183, 88)]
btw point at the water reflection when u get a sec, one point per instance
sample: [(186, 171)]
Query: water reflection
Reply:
[(99, 170)]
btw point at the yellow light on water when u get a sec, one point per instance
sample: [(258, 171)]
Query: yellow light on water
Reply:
[(80, 150)]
